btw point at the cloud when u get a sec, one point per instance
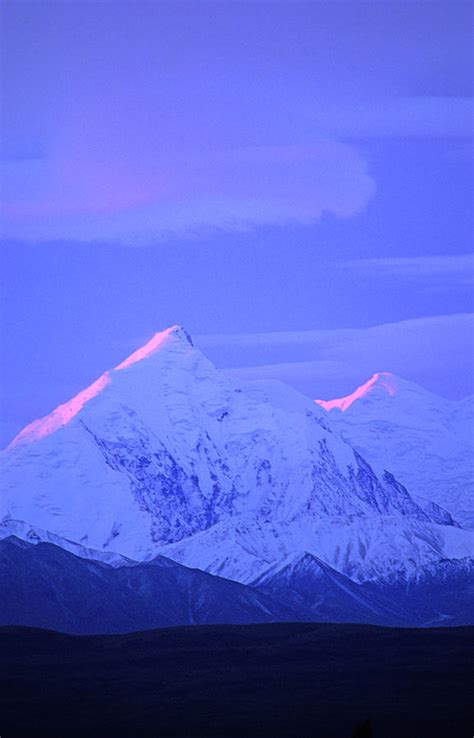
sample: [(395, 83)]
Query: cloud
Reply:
[(96, 182), (457, 268), (434, 351), (230, 189)]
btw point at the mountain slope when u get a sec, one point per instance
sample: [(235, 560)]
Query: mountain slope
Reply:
[(361, 548), (426, 441), (166, 455), (21, 531), (45, 586), (440, 594), (310, 585)]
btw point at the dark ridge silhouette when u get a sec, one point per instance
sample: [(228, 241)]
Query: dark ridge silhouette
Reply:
[(44, 586)]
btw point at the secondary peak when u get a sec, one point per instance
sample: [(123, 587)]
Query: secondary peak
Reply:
[(385, 381)]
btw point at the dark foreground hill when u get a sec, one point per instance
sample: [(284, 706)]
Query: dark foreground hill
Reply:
[(43, 586), (293, 680)]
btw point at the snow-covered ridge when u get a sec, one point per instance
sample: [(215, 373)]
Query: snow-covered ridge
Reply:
[(32, 535), (425, 440), (65, 412), (169, 456), (380, 381)]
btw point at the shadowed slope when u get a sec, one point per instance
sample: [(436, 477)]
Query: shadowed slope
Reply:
[(45, 586)]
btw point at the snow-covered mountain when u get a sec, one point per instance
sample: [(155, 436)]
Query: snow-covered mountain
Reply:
[(166, 455), (45, 585), (32, 535), (426, 441), (311, 586), (440, 594), (363, 547)]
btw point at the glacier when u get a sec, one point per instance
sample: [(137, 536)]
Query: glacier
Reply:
[(427, 441), (165, 455)]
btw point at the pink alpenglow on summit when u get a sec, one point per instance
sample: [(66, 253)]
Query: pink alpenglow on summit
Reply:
[(384, 380), (153, 345), (64, 413)]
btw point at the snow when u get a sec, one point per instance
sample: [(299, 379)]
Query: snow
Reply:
[(384, 381), (170, 456), (425, 440), (32, 535), (363, 549)]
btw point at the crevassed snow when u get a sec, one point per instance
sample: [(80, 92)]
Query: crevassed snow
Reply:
[(425, 440), (171, 456)]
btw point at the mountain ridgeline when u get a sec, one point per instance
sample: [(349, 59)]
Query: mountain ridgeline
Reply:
[(185, 497)]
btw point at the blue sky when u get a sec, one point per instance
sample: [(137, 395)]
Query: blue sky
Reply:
[(251, 170)]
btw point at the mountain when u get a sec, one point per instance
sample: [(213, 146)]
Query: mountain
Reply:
[(167, 455), (362, 548), (310, 585), (440, 594), (21, 531), (426, 441), (45, 586), (436, 595)]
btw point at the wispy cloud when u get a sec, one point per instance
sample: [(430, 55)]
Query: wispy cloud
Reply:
[(229, 189), (435, 351), (87, 186), (458, 268)]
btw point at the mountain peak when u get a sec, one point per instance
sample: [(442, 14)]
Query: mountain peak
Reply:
[(64, 413), (384, 383), (175, 332)]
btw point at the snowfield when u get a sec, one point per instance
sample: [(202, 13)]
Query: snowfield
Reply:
[(164, 454)]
